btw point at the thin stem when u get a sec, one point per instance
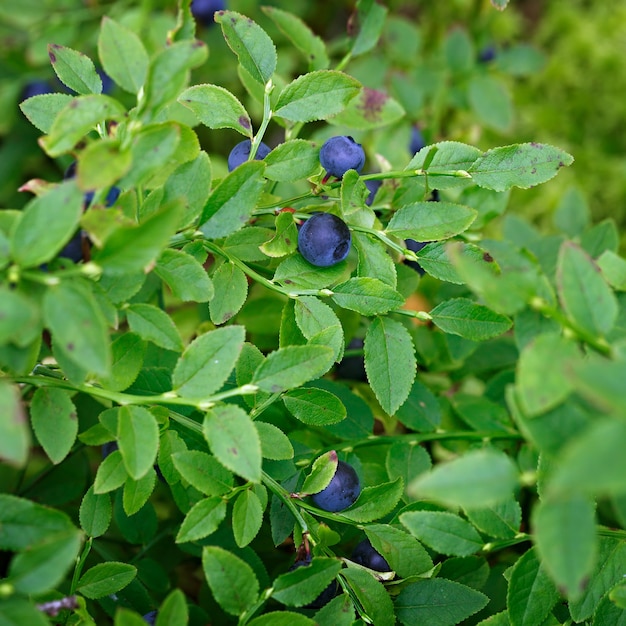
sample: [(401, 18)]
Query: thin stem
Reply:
[(267, 116), (79, 566), (281, 493), (495, 546)]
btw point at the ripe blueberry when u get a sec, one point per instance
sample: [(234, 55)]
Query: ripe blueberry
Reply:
[(365, 554), (204, 10), (340, 154), (417, 140), (150, 618), (487, 54), (326, 595), (341, 492), (36, 88), (324, 239), (73, 249), (240, 153), (107, 81), (373, 187)]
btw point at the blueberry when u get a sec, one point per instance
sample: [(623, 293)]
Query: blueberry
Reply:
[(352, 367), (487, 54), (341, 492), (365, 554), (240, 153), (324, 239), (36, 88), (416, 246), (204, 10), (373, 186), (150, 618), (434, 196), (108, 448), (107, 81), (340, 154), (73, 249), (417, 140), (326, 595)]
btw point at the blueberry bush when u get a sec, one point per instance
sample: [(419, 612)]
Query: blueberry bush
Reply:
[(274, 347)]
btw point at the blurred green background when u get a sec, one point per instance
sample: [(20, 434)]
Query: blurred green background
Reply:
[(556, 77)]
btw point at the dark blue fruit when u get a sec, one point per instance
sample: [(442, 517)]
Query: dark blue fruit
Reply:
[(36, 88), (107, 81), (415, 246), (73, 249), (352, 367), (417, 140), (324, 239), (150, 618), (109, 448), (365, 554), (325, 596), (373, 187), (240, 153), (341, 492), (340, 154), (204, 10), (487, 54)]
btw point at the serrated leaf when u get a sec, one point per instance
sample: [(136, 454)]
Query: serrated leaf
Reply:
[(275, 445), (234, 441), (444, 157), (368, 296), (252, 45), (437, 602), (232, 581), (370, 109), (138, 439), (231, 203), (558, 524), (283, 618), (584, 294), (14, 431), (613, 269), (478, 478), (375, 502), (501, 520), (123, 55), (106, 578), (292, 366), (127, 360), (431, 221), (247, 517), (491, 101), (314, 407), (74, 69), (203, 472), (137, 492), (111, 473), (313, 317), (202, 520), (370, 19), (305, 583), (186, 278), (207, 362), (460, 316), (322, 472), (316, 96), (95, 513), (406, 460), (41, 111), (54, 421), (285, 239), (372, 595), (519, 165), (155, 325), (421, 411), (292, 160), (216, 107), (387, 345), (173, 611), (231, 290), (374, 259), (297, 273)]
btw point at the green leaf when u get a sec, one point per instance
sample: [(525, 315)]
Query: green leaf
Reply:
[(431, 221), (444, 532), (102, 164), (202, 520), (36, 238), (370, 109), (203, 472), (285, 240), (372, 595), (173, 611), (476, 479), (14, 431), (531, 594), (338, 612), (128, 355), (374, 258), (491, 102), (41, 111), (292, 366), (283, 618), (501, 520), (15, 611), (297, 273), (275, 445), (305, 583), (70, 306), (207, 362), (481, 413), (601, 381), (421, 411), (519, 165), (300, 36), (138, 439), (404, 553), (388, 343), (216, 107), (572, 215), (292, 160), (375, 502), (314, 407), (245, 244), (234, 441), (406, 460), (111, 473), (137, 492), (322, 472), (231, 290), (558, 525), (106, 578), (95, 513), (613, 269), (231, 203), (460, 316), (313, 317), (247, 517), (316, 96), (186, 278), (543, 373), (252, 45), (76, 119), (584, 294), (123, 56), (368, 296), (74, 69), (437, 602), (155, 325), (370, 19), (232, 581), (54, 421), (42, 566)]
